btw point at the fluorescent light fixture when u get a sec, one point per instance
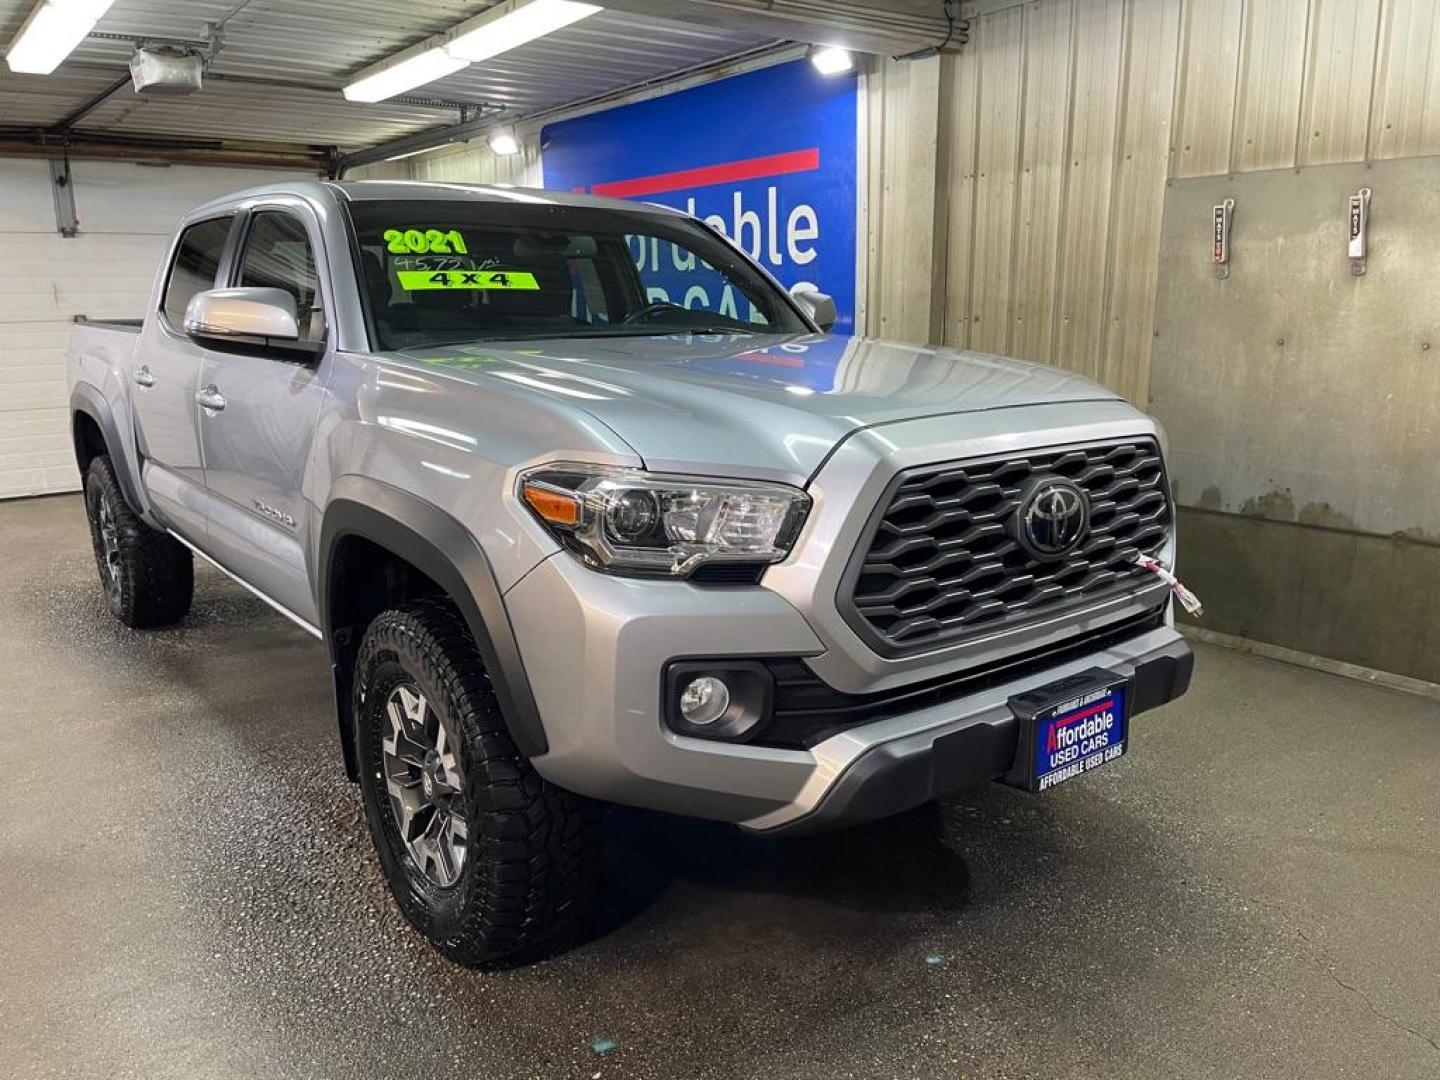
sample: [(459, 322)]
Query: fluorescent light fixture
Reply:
[(503, 142), (420, 69), (51, 33), (514, 23), (831, 60), (416, 153), (498, 30)]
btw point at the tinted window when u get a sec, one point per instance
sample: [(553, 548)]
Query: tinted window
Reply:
[(442, 272), (278, 256), (197, 260)]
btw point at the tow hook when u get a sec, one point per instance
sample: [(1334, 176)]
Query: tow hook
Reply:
[(1188, 600)]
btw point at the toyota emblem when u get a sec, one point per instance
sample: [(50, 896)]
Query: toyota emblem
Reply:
[(1053, 517)]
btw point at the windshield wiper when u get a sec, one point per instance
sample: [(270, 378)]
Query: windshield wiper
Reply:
[(629, 331), (559, 333)]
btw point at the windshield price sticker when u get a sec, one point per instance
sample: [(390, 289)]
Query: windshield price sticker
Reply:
[(432, 262), (424, 242), (414, 280)]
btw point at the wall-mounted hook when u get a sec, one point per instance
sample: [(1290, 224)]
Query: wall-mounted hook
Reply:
[(1359, 230), (1220, 248)]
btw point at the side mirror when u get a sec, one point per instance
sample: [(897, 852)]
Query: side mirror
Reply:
[(262, 321), (243, 314), (818, 305)]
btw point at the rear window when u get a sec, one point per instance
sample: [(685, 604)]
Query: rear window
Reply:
[(197, 261)]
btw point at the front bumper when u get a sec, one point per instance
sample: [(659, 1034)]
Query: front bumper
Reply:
[(594, 646), (878, 778)]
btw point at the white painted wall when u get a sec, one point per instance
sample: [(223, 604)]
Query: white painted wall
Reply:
[(127, 213)]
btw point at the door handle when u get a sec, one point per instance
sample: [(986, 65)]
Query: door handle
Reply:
[(211, 398), (143, 375)]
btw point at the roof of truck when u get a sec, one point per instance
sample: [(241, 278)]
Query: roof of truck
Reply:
[(365, 190)]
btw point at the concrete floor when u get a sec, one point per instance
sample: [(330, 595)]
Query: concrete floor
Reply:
[(187, 890)]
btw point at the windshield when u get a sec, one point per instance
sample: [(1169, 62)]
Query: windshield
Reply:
[(440, 272)]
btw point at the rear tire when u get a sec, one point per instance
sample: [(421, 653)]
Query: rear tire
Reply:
[(148, 577), (486, 859)]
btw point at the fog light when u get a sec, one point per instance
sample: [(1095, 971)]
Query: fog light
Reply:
[(704, 700), (722, 700)]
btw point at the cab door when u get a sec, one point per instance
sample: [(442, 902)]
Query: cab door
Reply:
[(258, 411), (166, 376)]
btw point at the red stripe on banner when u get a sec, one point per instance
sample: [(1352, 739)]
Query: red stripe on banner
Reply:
[(792, 161), (766, 358), (1099, 706), (1052, 743)]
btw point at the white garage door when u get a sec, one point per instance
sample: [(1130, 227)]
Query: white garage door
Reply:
[(127, 213)]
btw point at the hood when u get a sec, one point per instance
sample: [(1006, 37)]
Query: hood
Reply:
[(755, 405)]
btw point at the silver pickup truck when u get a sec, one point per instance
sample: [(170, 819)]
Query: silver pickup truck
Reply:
[(586, 508)]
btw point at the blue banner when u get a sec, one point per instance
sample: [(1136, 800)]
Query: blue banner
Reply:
[(768, 158)]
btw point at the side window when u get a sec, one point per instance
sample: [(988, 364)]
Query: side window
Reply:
[(278, 256), (197, 259)]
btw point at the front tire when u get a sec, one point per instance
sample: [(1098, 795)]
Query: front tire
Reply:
[(148, 577), (485, 858)]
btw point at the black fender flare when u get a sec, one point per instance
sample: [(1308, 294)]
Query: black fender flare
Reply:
[(88, 400), (446, 552)]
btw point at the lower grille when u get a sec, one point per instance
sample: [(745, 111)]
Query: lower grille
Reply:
[(940, 561), (807, 711)]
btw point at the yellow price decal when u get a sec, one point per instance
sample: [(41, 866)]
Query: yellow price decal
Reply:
[(413, 280), (424, 242)]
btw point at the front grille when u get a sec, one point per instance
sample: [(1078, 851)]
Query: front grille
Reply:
[(938, 562)]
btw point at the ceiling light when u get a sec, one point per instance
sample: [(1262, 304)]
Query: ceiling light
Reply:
[(831, 60), (420, 69), (498, 30), (503, 142), (514, 23), (51, 33)]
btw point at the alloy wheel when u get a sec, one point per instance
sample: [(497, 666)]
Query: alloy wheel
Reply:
[(425, 784), (109, 545)]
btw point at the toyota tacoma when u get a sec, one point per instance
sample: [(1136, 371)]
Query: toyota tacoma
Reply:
[(587, 509)]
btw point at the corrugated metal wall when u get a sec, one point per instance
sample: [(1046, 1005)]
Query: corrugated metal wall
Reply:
[(470, 163), (1058, 127), (902, 144)]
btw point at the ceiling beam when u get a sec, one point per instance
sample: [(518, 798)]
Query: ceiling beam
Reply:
[(89, 105), (159, 148), (429, 139), (882, 27)]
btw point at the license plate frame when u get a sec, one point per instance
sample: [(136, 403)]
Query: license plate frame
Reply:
[(1069, 728)]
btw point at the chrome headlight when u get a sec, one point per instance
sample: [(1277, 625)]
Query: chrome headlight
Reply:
[(633, 522)]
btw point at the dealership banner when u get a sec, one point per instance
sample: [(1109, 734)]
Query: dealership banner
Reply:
[(766, 157)]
